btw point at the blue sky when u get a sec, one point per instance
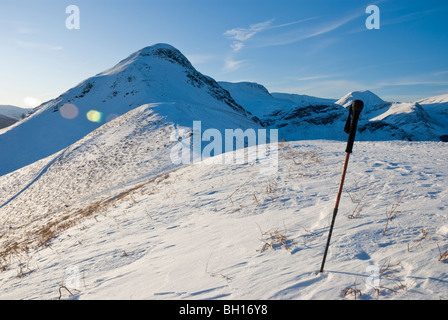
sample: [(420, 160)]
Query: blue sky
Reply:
[(321, 47)]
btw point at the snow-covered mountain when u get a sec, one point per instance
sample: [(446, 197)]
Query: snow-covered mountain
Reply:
[(368, 97), (155, 74), (300, 117), (255, 98), (259, 101), (437, 108), (105, 213), (13, 112), (161, 74), (10, 115)]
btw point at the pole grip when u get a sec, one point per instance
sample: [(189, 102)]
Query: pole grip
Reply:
[(355, 111)]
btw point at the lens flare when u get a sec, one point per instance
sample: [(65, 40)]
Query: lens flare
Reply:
[(69, 111), (94, 116), (111, 117), (31, 102)]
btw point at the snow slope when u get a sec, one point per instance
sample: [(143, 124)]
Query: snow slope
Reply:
[(155, 74), (437, 107), (6, 121), (129, 149), (413, 119), (202, 231)]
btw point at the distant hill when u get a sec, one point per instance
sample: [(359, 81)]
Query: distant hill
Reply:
[(10, 115)]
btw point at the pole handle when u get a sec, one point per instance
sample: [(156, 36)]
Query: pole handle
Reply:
[(352, 123)]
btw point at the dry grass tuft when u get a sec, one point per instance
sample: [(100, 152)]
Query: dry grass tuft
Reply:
[(444, 255), (418, 243), (26, 239), (388, 271), (392, 213), (360, 204), (275, 239), (64, 287), (352, 291)]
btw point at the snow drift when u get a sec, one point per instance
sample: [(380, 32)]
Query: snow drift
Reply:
[(208, 231)]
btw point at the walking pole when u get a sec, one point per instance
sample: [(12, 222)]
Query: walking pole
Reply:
[(350, 129)]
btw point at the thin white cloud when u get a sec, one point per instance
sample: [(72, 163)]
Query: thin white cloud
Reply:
[(405, 83), (440, 73), (38, 45), (25, 30), (230, 64), (237, 46), (292, 23), (240, 35), (243, 34), (308, 32), (317, 77)]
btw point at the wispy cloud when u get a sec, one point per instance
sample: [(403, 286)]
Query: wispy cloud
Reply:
[(410, 82), (240, 35), (25, 30), (321, 27), (311, 78), (37, 45), (409, 17), (440, 73), (230, 64)]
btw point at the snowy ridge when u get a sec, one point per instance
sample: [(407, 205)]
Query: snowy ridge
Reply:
[(255, 98), (299, 117)]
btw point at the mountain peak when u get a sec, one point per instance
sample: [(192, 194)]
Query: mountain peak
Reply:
[(166, 52), (368, 97), (248, 87), (150, 55)]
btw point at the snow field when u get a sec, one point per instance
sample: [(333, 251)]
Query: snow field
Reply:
[(197, 232)]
